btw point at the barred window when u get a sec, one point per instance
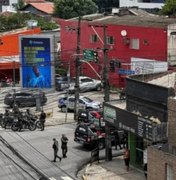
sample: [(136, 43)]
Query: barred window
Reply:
[(110, 40), (134, 43), (94, 38)]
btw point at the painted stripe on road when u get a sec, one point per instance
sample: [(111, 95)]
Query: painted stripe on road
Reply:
[(66, 178)]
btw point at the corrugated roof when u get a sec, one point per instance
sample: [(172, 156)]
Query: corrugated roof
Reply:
[(130, 17), (165, 80), (34, 1), (144, 21), (47, 7)]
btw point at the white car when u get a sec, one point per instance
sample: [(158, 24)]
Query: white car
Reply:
[(86, 84), (68, 103)]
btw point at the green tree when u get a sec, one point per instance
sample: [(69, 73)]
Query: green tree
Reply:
[(73, 8), (19, 20), (18, 6), (169, 8)]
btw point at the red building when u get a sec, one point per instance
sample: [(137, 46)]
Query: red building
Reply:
[(129, 35)]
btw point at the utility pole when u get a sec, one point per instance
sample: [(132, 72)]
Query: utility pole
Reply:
[(14, 78), (106, 81), (77, 67)]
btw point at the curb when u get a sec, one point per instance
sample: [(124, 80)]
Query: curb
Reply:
[(102, 158)]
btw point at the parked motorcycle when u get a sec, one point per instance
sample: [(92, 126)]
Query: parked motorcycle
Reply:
[(7, 120), (23, 122)]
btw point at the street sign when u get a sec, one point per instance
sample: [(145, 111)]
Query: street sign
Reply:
[(88, 54), (127, 72)]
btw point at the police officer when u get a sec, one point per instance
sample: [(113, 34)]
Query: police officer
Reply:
[(42, 120), (64, 141)]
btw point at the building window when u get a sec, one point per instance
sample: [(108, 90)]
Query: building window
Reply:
[(94, 38), (134, 43), (169, 172), (110, 40)]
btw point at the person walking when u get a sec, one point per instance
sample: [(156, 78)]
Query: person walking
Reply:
[(126, 157), (117, 141), (64, 141), (42, 120), (56, 148)]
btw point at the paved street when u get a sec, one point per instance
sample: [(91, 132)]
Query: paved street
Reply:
[(34, 148)]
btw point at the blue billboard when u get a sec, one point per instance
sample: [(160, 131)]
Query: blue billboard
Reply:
[(36, 58)]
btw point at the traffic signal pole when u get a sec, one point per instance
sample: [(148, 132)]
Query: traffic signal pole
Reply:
[(77, 67), (108, 149), (106, 81)]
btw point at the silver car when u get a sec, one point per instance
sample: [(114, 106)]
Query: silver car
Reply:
[(67, 103), (86, 84)]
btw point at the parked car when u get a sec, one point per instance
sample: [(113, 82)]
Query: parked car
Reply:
[(91, 136), (68, 103), (61, 83), (24, 99), (94, 117), (85, 84)]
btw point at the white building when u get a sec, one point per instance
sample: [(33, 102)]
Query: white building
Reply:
[(142, 4), (7, 5)]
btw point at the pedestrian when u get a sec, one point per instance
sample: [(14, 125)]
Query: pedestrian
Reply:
[(64, 141), (56, 148), (124, 140), (145, 170), (126, 157), (42, 120), (117, 141)]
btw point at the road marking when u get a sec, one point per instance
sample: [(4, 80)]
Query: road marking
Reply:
[(52, 178), (66, 178)]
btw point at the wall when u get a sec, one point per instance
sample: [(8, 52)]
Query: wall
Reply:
[(9, 49), (171, 35), (153, 49), (157, 160), (138, 3), (10, 46), (172, 122)]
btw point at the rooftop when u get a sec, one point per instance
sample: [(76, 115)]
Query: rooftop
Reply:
[(131, 16), (167, 80)]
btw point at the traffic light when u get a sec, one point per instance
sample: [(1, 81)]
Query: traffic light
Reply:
[(112, 66), (117, 63), (96, 58)]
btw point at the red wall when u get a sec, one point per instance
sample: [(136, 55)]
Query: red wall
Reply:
[(155, 48)]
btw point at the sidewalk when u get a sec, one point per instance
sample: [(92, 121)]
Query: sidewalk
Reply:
[(111, 170)]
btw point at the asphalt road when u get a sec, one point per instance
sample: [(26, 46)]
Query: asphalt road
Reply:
[(34, 148)]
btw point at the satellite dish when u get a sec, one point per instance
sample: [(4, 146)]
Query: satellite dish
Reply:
[(123, 33)]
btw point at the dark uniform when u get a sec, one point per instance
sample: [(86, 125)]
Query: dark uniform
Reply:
[(56, 148), (42, 120), (64, 141)]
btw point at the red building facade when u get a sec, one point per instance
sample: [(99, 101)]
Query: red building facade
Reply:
[(133, 37)]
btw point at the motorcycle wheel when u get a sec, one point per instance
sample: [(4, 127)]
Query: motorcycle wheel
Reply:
[(2, 124), (15, 127), (32, 126), (38, 125)]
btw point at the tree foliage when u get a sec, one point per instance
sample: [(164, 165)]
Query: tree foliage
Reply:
[(105, 4), (19, 20), (73, 8), (18, 6), (169, 8)]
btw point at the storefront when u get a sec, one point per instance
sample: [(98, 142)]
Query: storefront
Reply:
[(143, 115)]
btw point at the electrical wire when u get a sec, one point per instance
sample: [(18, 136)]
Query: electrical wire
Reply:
[(11, 159)]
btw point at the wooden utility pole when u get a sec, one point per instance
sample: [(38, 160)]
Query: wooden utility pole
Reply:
[(77, 67), (106, 81)]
